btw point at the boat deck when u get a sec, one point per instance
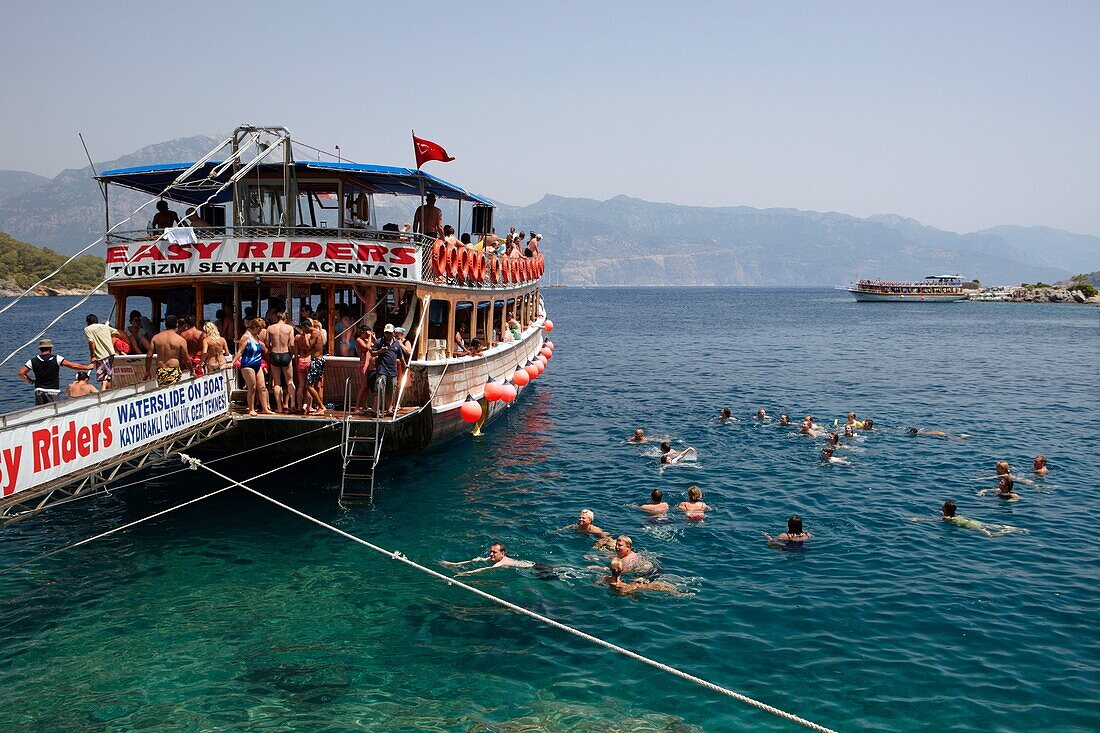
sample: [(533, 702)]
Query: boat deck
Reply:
[(241, 413)]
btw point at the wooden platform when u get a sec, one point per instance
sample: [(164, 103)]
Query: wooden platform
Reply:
[(241, 413)]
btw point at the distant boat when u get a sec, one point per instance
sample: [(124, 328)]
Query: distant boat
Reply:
[(932, 289)]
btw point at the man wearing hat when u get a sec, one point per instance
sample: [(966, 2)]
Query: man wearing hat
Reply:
[(389, 354), (47, 369)]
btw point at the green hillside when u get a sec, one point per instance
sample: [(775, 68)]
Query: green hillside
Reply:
[(22, 265)]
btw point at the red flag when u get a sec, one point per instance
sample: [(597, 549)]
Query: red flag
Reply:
[(427, 150)]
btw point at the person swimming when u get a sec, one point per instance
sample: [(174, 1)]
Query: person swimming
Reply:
[(828, 457), (656, 505), (869, 425), (834, 440), (761, 415), (498, 558), (638, 437), (807, 427), (855, 423), (1003, 469), (795, 535), (1003, 489), (725, 415), (1039, 466), (670, 457), (585, 526), (849, 431), (694, 507), (616, 583), (933, 433), (784, 419), (949, 514)]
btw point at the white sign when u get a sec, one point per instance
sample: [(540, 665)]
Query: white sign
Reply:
[(307, 258), (37, 453)]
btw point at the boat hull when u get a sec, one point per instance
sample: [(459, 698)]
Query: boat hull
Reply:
[(864, 297)]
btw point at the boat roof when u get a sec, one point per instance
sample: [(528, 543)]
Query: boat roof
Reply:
[(154, 179)]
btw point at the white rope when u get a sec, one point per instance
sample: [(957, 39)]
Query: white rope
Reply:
[(255, 161), (192, 464), (527, 612)]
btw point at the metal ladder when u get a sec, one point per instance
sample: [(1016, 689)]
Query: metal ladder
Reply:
[(362, 448)]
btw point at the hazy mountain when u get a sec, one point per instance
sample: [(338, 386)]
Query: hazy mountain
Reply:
[(13, 183), (66, 213), (626, 241)]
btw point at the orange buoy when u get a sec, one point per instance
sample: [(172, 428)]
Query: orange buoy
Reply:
[(531, 369), (507, 391), (547, 352), (454, 263), (521, 377), (540, 365), (492, 390), (548, 325), (439, 257), (495, 270), (471, 410)]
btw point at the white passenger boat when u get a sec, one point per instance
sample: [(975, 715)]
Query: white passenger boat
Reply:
[(933, 289)]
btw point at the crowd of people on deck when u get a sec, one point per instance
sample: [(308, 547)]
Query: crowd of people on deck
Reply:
[(428, 220), (642, 570)]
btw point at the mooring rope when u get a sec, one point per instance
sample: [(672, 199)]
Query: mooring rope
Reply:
[(394, 555), (192, 464)]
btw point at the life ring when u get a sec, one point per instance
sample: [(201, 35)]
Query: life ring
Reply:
[(542, 265), (525, 269), (463, 264), (439, 257), (496, 273), (482, 268), (454, 261)]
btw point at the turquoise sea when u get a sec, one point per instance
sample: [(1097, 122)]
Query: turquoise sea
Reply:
[(234, 615)]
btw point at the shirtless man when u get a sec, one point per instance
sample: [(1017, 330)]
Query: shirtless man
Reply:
[(584, 526), (280, 340), (165, 217), (171, 352), (428, 218), (632, 561), (316, 372), (638, 437), (1039, 466), (670, 457), (498, 557), (761, 414), (192, 219), (81, 386), (616, 583), (195, 344), (784, 419), (657, 503)]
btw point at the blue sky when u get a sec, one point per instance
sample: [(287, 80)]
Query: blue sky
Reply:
[(961, 115)]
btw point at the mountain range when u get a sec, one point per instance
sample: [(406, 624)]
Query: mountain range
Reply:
[(628, 241)]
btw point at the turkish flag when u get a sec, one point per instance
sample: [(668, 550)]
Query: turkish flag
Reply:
[(427, 150)]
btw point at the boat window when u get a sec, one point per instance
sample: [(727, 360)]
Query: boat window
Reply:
[(319, 205), (439, 312), (264, 204)]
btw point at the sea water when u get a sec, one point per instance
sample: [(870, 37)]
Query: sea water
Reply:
[(235, 615)]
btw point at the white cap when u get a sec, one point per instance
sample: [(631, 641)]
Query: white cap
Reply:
[(388, 328)]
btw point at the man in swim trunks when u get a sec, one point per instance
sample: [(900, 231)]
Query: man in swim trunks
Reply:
[(280, 339), (195, 346), (638, 437), (657, 503), (315, 374), (171, 352)]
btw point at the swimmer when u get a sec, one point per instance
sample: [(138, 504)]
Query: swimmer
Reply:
[(1003, 489), (638, 437), (616, 583), (761, 415), (1040, 466), (584, 526), (670, 457), (853, 421), (1003, 469), (656, 505), (834, 440), (725, 415), (949, 510), (933, 433), (694, 506), (632, 561), (828, 457), (849, 431), (869, 425), (784, 419), (498, 556), (795, 534), (807, 427)]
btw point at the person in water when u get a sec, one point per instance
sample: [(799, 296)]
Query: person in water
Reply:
[(849, 431), (761, 414), (784, 419), (1040, 466), (1003, 469), (808, 427), (694, 507), (498, 558), (853, 421), (834, 440), (584, 526), (949, 514), (828, 457), (638, 437), (616, 583), (656, 505), (795, 534), (1003, 489), (933, 433), (670, 457), (724, 414), (869, 425), (632, 561)]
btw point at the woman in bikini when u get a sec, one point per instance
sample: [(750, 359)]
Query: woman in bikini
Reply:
[(793, 537), (249, 359), (694, 507), (363, 344), (214, 348), (302, 354)]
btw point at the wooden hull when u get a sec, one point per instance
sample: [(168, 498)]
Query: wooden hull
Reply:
[(865, 297)]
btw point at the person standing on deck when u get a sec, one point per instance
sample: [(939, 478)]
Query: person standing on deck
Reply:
[(280, 339), (428, 218), (101, 348), (388, 354), (195, 339), (171, 352), (315, 374), (364, 342), (46, 368)]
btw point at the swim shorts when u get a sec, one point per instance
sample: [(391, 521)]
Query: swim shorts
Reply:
[(280, 359), (316, 371), (168, 375), (105, 369)]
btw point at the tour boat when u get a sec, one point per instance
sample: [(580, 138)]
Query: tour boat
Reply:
[(933, 289)]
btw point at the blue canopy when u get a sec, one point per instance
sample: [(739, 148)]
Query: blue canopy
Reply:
[(153, 179)]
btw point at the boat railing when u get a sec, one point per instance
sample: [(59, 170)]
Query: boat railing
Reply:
[(273, 232)]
